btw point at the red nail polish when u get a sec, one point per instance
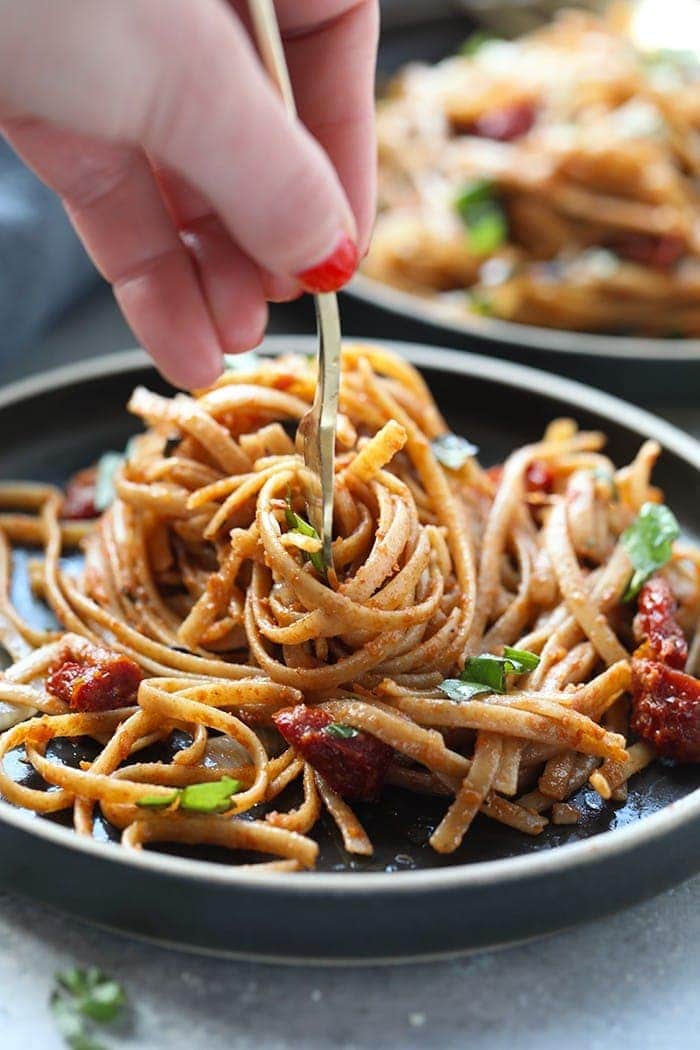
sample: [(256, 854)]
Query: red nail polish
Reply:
[(333, 272)]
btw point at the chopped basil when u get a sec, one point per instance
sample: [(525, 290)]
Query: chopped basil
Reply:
[(81, 996), (158, 801), (70, 1023), (480, 304), (247, 362), (474, 42), (459, 691), (493, 670), (472, 193), (487, 670), (487, 230), (296, 523), (488, 673), (107, 467), (521, 660), (649, 544), (341, 731), (479, 210), (452, 450), (212, 796)]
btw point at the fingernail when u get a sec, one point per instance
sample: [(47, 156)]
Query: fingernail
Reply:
[(334, 271)]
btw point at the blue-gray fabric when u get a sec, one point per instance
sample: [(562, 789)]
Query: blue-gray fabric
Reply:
[(43, 268)]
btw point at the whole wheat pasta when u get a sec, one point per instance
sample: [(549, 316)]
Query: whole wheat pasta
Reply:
[(203, 579)]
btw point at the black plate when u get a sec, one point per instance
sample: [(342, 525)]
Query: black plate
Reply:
[(406, 900), (671, 366)]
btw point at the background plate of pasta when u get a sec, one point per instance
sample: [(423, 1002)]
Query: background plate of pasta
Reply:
[(210, 735), (541, 191)]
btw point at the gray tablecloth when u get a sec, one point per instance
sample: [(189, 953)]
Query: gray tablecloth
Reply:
[(630, 981)]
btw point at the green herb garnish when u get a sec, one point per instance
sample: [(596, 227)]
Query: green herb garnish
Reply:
[(341, 731), (488, 230), (296, 523), (83, 996), (452, 450), (475, 42), (213, 796), (481, 213), (158, 801), (521, 660), (649, 544), (473, 193), (247, 362), (487, 670), (491, 670), (480, 304), (488, 673), (460, 691)]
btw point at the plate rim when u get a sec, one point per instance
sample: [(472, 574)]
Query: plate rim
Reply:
[(502, 870), (406, 304)]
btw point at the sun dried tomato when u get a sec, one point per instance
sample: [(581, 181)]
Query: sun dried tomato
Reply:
[(506, 123), (354, 766), (102, 681), (666, 709), (656, 629), (79, 501), (539, 477), (658, 251), (285, 380)]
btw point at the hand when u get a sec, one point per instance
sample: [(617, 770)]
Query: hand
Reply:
[(194, 194)]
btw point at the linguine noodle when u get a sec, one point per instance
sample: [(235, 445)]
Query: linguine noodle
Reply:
[(197, 573)]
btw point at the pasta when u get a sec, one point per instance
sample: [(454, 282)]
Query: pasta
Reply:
[(236, 688), (549, 181)]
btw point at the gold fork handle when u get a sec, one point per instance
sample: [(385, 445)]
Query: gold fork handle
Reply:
[(319, 425), (325, 410), (267, 35)]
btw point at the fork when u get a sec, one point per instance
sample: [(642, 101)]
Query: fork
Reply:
[(318, 426)]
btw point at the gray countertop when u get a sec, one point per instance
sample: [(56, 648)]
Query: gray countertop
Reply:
[(629, 979)]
